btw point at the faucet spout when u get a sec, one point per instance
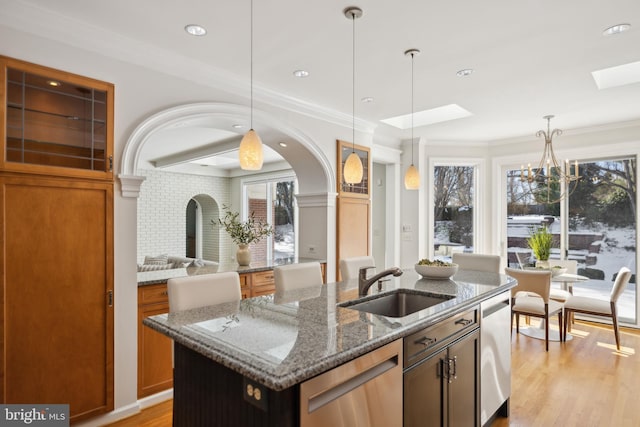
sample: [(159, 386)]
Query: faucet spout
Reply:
[(364, 284)]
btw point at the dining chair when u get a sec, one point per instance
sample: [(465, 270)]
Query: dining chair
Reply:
[(531, 298), (599, 307), (296, 276), (202, 290), (478, 262), (350, 267)]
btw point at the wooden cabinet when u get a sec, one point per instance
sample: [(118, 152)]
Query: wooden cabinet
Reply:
[(57, 286), (155, 360), (55, 123), (56, 213), (442, 384), (262, 283)]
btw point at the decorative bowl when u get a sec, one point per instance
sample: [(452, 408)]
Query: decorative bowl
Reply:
[(436, 271)]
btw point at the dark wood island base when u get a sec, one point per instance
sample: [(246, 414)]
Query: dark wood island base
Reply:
[(205, 393)]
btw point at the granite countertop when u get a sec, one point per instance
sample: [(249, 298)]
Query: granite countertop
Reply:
[(161, 276), (283, 339)]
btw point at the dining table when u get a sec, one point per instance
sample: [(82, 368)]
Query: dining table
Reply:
[(566, 281)]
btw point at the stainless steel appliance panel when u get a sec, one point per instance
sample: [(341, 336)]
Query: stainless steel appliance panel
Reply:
[(365, 392), (495, 354)]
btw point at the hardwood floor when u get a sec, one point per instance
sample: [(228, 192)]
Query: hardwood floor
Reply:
[(159, 415), (583, 382)]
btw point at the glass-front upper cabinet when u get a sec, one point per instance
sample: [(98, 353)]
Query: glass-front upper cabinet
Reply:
[(54, 122)]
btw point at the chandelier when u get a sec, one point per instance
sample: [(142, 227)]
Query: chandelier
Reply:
[(551, 181)]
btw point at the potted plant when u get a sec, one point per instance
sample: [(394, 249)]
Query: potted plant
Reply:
[(540, 242), (243, 233)]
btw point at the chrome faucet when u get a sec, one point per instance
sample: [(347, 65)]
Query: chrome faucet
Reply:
[(364, 284)]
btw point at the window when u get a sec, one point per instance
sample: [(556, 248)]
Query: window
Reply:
[(453, 204), (596, 226), (272, 201)]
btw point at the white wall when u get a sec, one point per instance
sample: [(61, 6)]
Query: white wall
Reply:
[(379, 214), (162, 207)]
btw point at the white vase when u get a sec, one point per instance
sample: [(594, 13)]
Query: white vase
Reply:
[(542, 264), (243, 255)]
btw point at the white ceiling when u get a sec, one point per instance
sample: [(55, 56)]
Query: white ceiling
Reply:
[(531, 58)]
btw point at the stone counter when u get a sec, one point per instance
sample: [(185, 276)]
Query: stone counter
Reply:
[(161, 276), (282, 340)]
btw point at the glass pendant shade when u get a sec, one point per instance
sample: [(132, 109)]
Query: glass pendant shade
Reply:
[(412, 178), (353, 169), (250, 154)]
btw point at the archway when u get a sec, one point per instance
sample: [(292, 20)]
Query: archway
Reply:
[(316, 179)]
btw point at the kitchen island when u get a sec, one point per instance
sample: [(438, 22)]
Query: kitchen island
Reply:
[(243, 363)]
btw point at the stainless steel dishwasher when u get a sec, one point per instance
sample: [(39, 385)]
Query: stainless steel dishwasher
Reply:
[(495, 356), (365, 392)]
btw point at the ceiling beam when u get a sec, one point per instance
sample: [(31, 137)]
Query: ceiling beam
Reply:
[(219, 147)]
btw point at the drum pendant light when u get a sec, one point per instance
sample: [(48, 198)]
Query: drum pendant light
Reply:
[(250, 153), (412, 176), (353, 170)]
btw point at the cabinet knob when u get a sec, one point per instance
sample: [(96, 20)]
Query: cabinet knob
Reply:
[(464, 322), (426, 341)]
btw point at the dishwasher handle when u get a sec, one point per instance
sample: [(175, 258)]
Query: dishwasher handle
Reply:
[(488, 311), (334, 393)]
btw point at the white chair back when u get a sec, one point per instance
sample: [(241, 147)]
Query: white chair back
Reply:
[(478, 262), (350, 267), (531, 281), (624, 274), (297, 276), (570, 264), (202, 290)]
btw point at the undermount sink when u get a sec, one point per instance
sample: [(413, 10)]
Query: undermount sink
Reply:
[(398, 303)]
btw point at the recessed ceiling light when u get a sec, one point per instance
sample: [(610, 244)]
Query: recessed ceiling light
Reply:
[(367, 99), (195, 30), (54, 83), (282, 144), (465, 72), (237, 126), (301, 73), (616, 29)]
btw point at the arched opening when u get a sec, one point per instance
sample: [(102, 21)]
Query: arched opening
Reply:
[(192, 241), (315, 195)]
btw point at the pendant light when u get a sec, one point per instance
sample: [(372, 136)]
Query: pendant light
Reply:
[(412, 176), (250, 154), (353, 171)]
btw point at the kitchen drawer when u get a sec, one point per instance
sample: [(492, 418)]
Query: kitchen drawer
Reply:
[(261, 278), (263, 290), (150, 294), (422, 343)]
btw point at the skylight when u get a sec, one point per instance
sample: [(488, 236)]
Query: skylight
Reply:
[(617, 76), (428, 117)]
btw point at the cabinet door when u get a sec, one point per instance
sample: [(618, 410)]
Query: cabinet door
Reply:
[(424, 393), (57, 311), (54, 123), (463, 393), (155, 361)]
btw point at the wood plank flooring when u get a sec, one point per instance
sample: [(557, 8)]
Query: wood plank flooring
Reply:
[(584, 382)]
